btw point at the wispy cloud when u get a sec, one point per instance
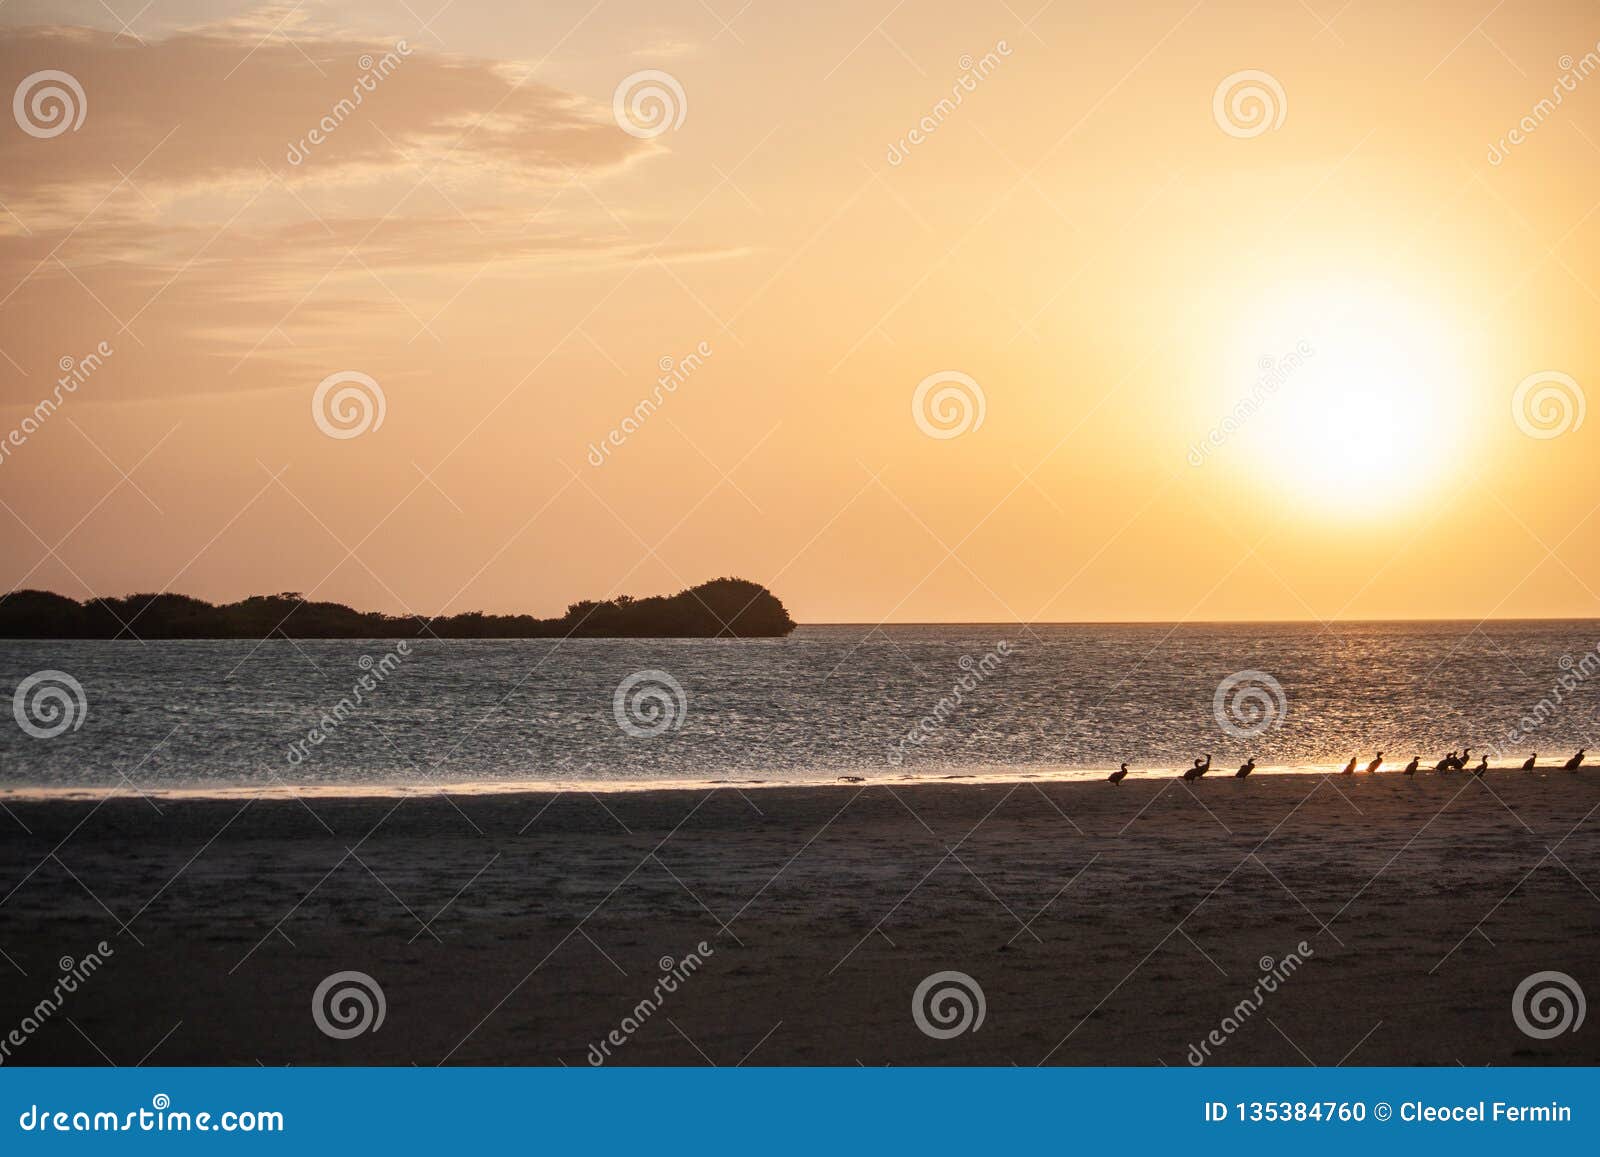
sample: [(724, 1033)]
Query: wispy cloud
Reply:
[(250, 192)]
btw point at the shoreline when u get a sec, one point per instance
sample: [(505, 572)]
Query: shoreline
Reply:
[(619, 786)]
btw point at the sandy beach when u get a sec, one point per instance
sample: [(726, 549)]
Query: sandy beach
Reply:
[(1104, 925)]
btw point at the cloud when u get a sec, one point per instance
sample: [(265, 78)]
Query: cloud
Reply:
[(214, 105), (233, 194)]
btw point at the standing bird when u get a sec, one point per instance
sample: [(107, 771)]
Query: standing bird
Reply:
[(1411, 768), (1245, 768), (1461, 760), (1372, 767), (1200, 768), (1119, 775), (1527, 764), (1574, 763), (1446, 763), (1483, 766), (1349, 768)]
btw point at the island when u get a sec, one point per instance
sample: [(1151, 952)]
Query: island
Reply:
[(722, 608)]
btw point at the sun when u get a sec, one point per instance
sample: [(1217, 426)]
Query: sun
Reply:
[(1359, 403)]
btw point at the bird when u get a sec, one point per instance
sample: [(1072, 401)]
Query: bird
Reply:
[(1483, 766), (1446, 763), (1372, 767), (1461, 760), (1349, 768), (1411, 768), (1527, 764), (1119, 775), (1199, 769), (1574, 763), (1245, 768)]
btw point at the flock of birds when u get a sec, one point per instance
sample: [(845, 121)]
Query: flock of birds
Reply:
[(1451, 762)]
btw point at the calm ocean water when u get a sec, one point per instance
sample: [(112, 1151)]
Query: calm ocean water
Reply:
[(827, 702)]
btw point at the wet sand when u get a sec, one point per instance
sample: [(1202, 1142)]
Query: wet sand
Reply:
[(1104, 925)]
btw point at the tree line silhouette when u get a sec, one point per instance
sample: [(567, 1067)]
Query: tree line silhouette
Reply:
[(721, 608)]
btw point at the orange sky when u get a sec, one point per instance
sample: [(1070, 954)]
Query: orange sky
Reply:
[(1110, 253)]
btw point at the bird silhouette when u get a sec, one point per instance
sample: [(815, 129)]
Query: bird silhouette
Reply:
[(1349, 768), (1528, 764), (1200, 768), (1446, 763), (1245, 768), (1411, 768), (1375, 764), (1483, 766), (1119, 775), (1574, 763)]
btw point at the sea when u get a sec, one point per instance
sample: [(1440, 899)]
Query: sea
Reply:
[(828, 704)]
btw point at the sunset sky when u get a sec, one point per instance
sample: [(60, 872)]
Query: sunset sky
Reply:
[(1083, 237)]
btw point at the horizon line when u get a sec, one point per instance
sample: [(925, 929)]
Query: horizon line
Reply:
[(1187, 622)]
